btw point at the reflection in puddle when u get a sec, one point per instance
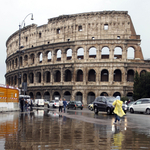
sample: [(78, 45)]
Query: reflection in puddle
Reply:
[(50, 130)]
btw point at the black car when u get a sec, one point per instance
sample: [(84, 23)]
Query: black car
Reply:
[(104, 103), (75, 104)]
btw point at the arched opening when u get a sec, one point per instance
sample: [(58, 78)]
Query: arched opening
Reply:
[(67, 96), (12, 80), (38, 95), (57, 76), (67, 75), (59, 55), (47, 96), (79, 76), (117, 75), (49, 56), (12, 64), (80, 53), (143, 72), (104, 94), (92, 75), (69, 54), (31, 95), (117, 94), (47, 76), (25, 60), (25, 77), (130, 53), (90, 97), (16, 62), (104, 75), (20, 61), (130, 95), (15, 80), (31, 78), (40, 57), (56, 95), (117, 53), (130, 76), (105, 53), (32, 58), (38, 77), (92, 52), (78, 96)]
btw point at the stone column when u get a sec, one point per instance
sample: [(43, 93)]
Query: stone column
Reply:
[(124, 53), (111, 52), (42, 77)]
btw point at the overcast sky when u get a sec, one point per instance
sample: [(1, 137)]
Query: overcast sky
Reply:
[(13, 12)]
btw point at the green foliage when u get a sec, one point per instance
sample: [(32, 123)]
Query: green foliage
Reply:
[(141, 87), (124, 99)]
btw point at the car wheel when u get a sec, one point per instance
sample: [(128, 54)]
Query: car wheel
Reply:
[(81, 108), (131, 110), (109, 111), (95, 110), (53, 106), (74, 108), (48, 106), (147, 111)]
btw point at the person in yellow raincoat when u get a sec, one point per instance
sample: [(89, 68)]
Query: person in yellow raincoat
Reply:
[(118, 111)]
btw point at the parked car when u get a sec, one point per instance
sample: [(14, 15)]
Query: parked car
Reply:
[(104, 103), (129, 104), (54, 103), (75, 105), (40, 102), (141, 105)]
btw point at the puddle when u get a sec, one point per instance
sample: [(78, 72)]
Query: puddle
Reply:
[(49, 130)]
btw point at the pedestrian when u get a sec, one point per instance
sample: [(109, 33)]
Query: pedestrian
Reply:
[(60, 105), (21, 104), (31, 104), (26, 105), (128, 101), (64, 104), (118, 111)]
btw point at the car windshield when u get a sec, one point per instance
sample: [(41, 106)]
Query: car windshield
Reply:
[(129, 104), (110, 99), (56, 100)]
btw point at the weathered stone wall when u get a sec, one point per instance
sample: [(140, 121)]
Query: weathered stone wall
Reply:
[(46, 62)]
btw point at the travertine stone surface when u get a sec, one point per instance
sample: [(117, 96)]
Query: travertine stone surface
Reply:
[(79, 56)]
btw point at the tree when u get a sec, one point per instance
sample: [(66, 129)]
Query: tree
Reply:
[(141, 87)]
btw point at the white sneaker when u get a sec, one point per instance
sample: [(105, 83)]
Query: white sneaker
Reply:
[(114, 122)]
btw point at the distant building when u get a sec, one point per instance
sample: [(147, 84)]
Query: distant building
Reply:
[(78, 57)]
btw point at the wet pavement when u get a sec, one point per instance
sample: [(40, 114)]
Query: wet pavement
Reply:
[(73, 130)]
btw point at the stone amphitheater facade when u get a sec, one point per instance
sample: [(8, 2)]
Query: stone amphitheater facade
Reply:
[(79, 57)]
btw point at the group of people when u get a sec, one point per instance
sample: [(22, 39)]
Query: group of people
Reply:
[(62, 103), (24, 104)]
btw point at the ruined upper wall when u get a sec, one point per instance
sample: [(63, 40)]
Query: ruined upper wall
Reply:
[(84, 26)]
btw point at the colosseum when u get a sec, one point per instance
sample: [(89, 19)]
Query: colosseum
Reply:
[(78, 56)]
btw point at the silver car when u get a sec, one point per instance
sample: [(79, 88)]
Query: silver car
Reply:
[(141, 105)]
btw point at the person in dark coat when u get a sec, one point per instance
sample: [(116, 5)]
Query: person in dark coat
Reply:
[(31, 104), (64, 104), (21, 104)]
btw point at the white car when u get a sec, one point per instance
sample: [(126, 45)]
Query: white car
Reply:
[(39, 102), (54, 103), (141, 105)]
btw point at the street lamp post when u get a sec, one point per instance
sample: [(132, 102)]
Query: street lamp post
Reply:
[(20, 27)]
